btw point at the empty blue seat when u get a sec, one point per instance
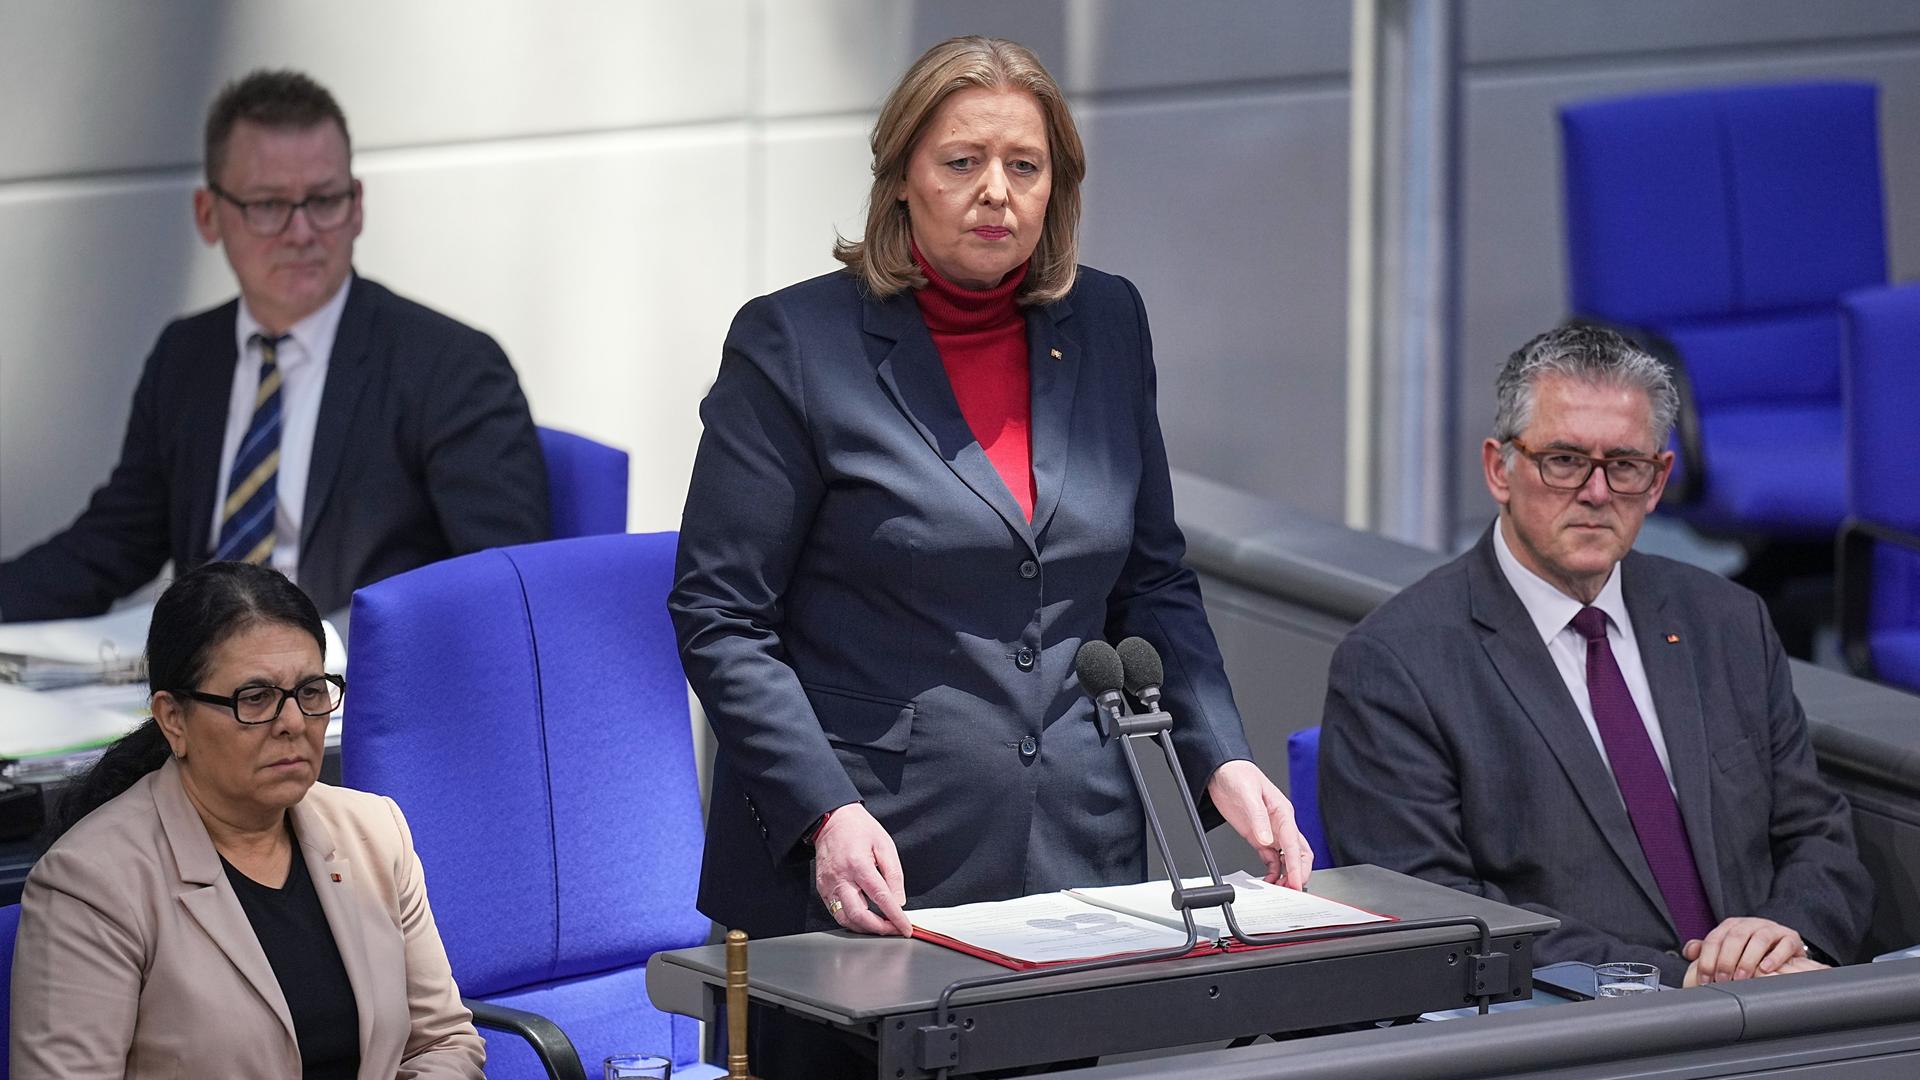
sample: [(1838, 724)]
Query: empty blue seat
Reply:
[(1303, 782), (1720, 226), (1880, 546), (586, 485), (525, 707), (9, 926)]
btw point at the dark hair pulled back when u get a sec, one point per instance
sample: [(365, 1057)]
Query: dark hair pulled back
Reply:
[(198, 612)]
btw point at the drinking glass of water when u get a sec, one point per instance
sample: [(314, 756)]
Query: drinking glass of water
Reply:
[(1625, 979), (638, 1067)]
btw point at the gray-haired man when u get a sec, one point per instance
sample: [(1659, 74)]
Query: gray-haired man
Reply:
[(1555, 721)]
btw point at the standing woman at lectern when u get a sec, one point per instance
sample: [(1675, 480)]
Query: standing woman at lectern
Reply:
[(925, 480)]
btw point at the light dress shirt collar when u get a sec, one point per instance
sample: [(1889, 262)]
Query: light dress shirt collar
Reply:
[(1549, 608), (313, 334)]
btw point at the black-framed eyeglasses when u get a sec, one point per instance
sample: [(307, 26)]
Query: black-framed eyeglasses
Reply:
[(1569, 470), (269, 217), (317, 696)]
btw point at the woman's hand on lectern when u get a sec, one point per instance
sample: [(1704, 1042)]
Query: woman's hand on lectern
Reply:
[(856, 873), (1264, 819)]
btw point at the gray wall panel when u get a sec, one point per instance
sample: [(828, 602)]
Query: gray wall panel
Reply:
[(95, 271), (1513, 266), (1532, 30), (1229, 213), (124, 85), (1144, 44)]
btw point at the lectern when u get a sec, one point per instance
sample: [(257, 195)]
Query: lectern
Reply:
[(888, 990)]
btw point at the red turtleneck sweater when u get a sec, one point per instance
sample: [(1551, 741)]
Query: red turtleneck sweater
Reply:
[(982, 338)]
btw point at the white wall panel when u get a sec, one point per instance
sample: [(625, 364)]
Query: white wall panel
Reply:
[(1230, 215), (607, 266), (125, 85), (815, 178)]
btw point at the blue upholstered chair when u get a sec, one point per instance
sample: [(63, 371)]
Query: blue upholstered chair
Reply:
[(1880, 546), (1303, 783), (9, 925), (525, 707), (586, 485), (1720, 226)]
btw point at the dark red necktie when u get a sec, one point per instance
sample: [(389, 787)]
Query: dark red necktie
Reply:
[(1643, 784)]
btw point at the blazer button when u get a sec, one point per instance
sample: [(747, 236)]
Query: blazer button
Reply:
[(1029, 569), (1029, 746), (1023, 659)]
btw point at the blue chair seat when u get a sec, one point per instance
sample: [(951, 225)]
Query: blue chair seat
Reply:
[(1896, 655), (605, 1014), (526, 708), (1303, 780), (1781, 465), (1730, 221), (9, 926), (586, 485)]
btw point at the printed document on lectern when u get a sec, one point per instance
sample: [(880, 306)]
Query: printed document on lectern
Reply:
[(1121, 920)]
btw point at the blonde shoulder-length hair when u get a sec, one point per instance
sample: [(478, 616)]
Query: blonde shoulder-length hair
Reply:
[(883, 258)]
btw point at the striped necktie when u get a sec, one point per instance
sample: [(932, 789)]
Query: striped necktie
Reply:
[(246, 520)]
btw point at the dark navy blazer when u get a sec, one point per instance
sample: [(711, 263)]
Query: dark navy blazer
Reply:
[(1452, 750), (424, 449), (866, 614)]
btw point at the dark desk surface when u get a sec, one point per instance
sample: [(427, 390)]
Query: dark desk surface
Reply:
[(850, 979)]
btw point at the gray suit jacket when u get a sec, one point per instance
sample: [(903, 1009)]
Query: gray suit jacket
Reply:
[(1452, 750), (136, 960)]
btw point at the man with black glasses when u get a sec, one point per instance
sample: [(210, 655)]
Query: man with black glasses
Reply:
[(318, 423), (1555, 721)]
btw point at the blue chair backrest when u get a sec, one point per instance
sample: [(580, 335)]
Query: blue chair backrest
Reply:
[(1731, 219), (1883, 440), (526, 708), (9, 925), (586, 485), (1303, 782)]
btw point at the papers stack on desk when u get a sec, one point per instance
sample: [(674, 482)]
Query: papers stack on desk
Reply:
[(69, 720), (73, 652), (70, 686), (1121, 920)]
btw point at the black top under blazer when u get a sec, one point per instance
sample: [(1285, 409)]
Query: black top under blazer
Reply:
[(866, 614), (1453, 751), (424, 449)]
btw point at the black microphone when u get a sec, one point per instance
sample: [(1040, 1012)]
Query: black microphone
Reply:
[(1142, 671), (1101, 675)]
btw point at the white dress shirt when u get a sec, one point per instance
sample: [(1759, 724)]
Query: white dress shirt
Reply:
[(302, 360), (1552, 612)]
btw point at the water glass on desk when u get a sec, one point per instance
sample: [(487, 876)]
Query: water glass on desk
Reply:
[(1625, 979), (638, 1067)]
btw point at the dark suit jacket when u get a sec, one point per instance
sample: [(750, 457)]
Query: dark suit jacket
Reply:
[(866, 614), (424, 449), (1452, 751)]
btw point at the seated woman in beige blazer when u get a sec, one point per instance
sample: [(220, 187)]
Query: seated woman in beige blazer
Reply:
[(212, 911)]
